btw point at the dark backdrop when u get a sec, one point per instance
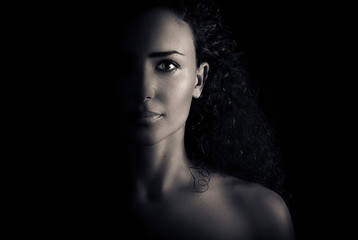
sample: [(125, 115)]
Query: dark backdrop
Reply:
[(295, 53)]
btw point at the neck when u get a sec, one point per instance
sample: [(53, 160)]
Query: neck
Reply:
[(157, 169)]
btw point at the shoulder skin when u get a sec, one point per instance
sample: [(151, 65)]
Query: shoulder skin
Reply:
[(265, 211)]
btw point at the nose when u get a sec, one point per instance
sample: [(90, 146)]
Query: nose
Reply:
[(146, 86)]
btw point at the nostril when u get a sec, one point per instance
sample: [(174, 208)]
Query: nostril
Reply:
[(139, 99)]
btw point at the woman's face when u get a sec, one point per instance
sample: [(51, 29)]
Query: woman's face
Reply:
[(158, 76)]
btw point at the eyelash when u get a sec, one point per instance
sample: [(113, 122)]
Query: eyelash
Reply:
[(167, 62)]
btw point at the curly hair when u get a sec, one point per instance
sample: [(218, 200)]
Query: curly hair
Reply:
[(226, 130)]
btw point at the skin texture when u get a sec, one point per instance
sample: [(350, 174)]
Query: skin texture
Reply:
[(165, 205)]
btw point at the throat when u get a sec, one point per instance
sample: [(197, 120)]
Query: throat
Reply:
[(160, 169), (157, 181)]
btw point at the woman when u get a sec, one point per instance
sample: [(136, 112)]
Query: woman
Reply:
[(201, 162)]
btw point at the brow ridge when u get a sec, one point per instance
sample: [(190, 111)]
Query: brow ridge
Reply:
[(163, 54)]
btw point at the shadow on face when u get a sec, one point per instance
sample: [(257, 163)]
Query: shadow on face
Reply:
[(157, 75)]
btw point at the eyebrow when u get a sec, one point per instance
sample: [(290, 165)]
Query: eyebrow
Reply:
[(163, 54)]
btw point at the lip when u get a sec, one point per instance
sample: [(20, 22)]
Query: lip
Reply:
[(147, 116)]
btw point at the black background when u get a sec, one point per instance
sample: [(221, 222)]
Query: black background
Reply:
[(298, 53)]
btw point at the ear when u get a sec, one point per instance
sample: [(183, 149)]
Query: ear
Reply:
[(201, 75)]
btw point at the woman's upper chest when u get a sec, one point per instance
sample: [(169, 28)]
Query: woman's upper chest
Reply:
[(192, 215)]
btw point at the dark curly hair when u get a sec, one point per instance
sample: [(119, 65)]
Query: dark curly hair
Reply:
[(226, 130)]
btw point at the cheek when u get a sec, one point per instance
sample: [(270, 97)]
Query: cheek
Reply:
[(180, 94)]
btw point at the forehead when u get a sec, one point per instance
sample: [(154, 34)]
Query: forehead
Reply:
[(157, 30)]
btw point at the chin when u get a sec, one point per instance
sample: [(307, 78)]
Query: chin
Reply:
[(146, 139), (153, 136)]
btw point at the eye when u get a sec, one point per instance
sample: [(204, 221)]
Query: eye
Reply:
[(167, 66)]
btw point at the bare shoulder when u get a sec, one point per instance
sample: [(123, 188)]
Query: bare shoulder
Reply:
[(265, 210)]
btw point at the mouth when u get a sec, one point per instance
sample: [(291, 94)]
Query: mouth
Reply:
[(148, 117)]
